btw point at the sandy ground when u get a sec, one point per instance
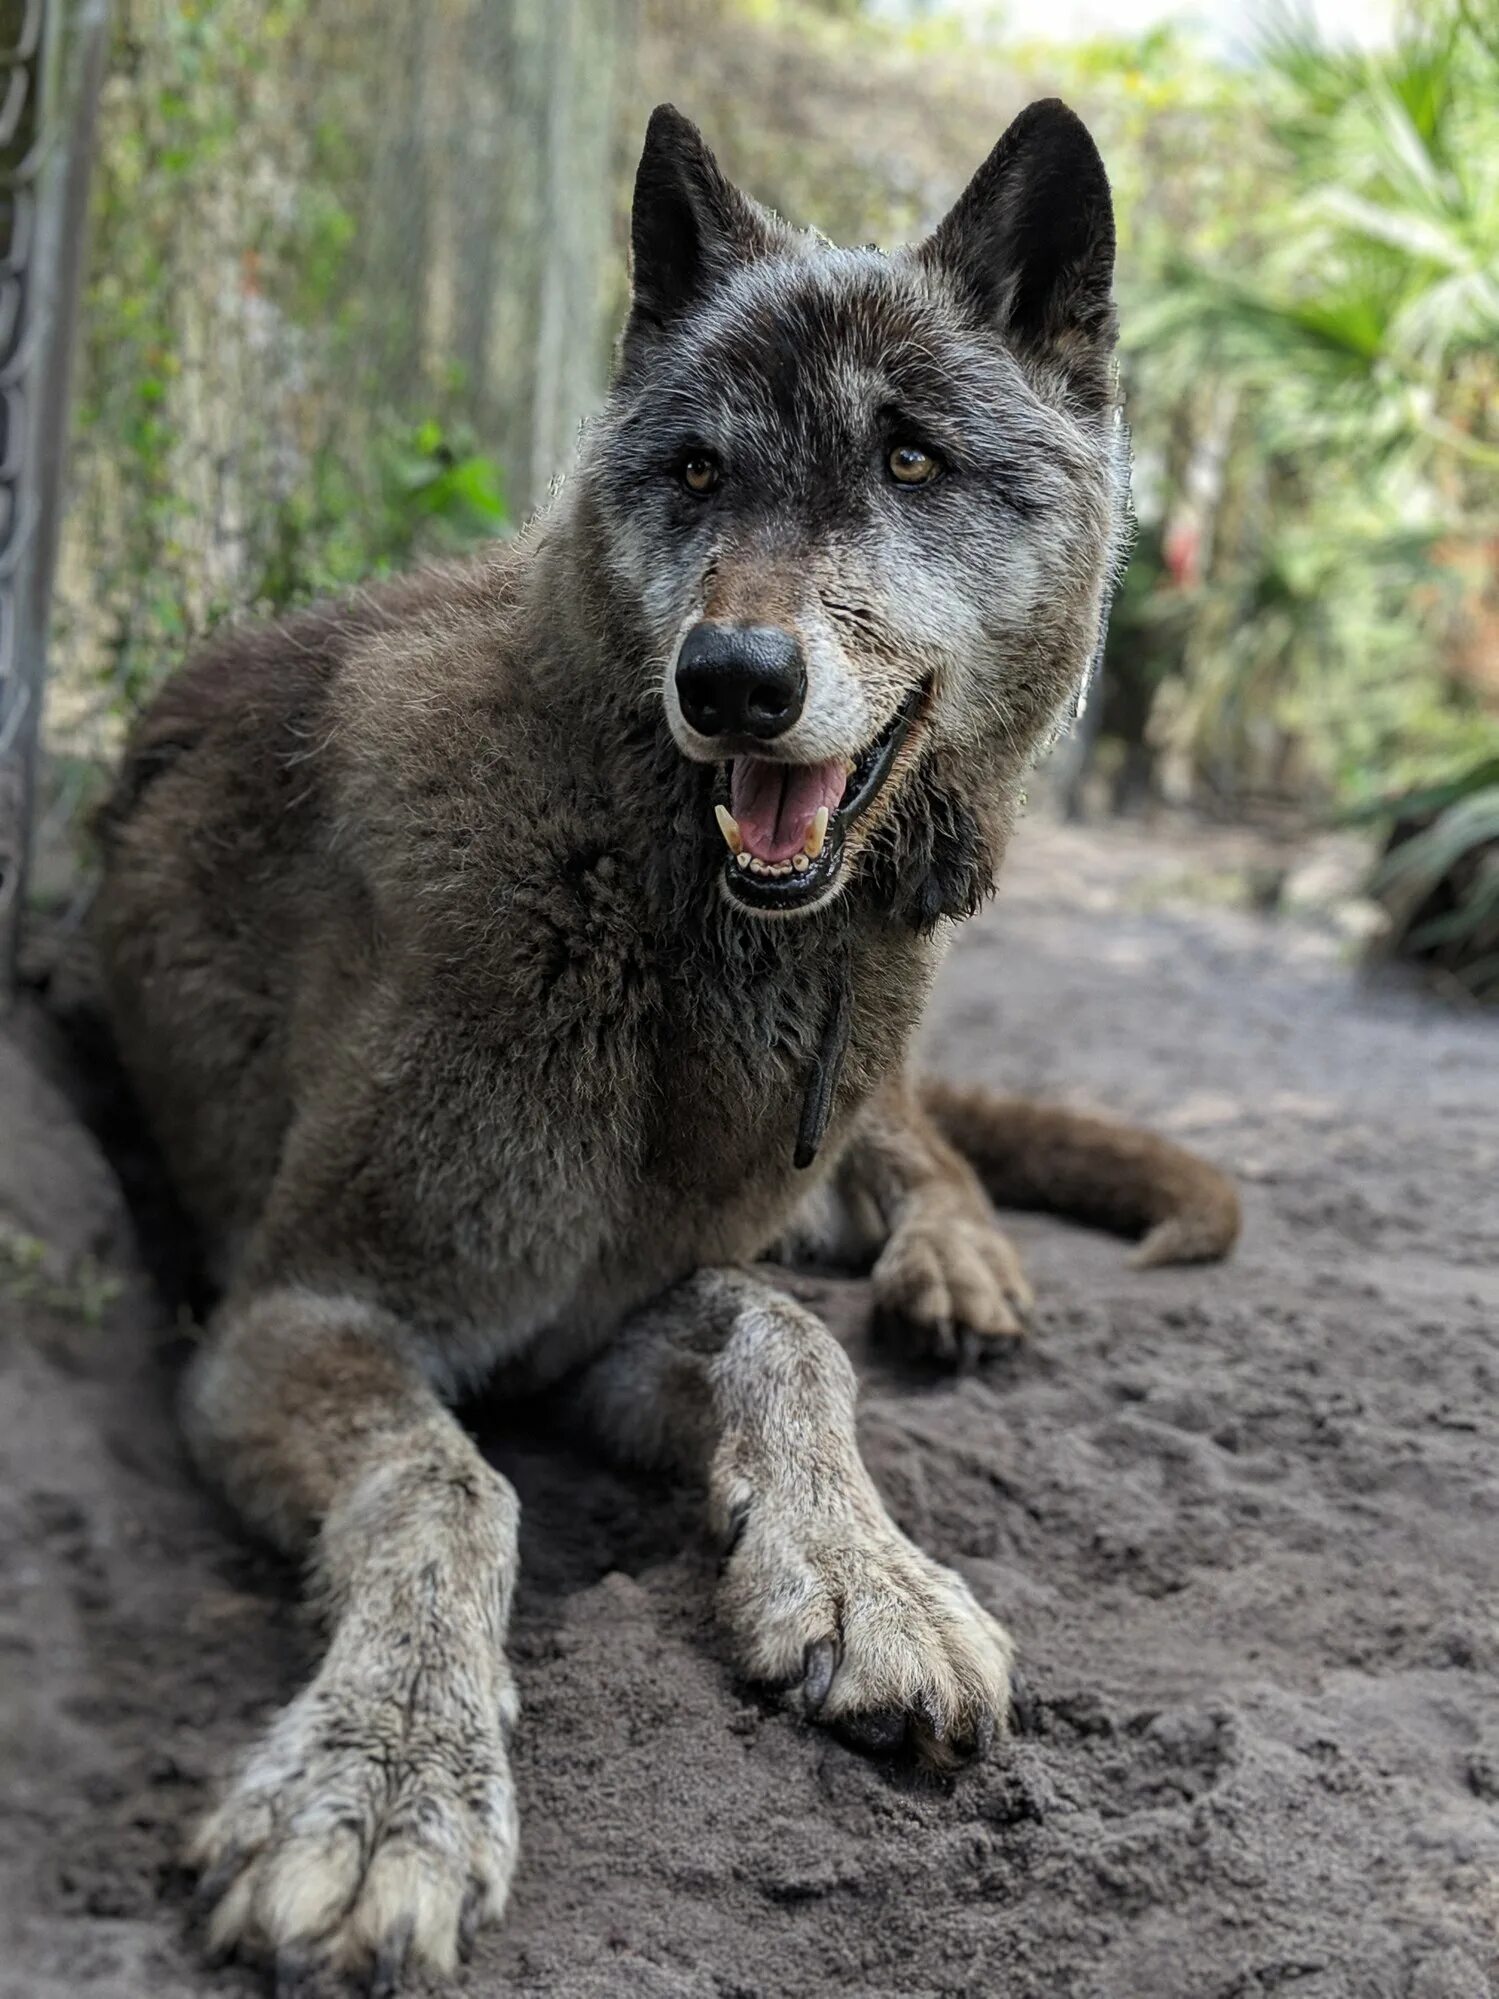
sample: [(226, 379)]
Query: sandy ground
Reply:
[(1243, 1522)]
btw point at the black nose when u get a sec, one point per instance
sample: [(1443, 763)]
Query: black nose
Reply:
[(741, 680)]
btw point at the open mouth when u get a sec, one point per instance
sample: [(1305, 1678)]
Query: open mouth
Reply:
[(786, 825)]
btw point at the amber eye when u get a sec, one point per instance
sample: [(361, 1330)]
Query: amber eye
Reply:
[(700, 473), (911, 466)]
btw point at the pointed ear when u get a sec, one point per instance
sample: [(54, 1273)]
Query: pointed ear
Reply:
[(689, 228), (1031, 243)]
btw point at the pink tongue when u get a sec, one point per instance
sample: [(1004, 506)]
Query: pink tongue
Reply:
[(775, 804)]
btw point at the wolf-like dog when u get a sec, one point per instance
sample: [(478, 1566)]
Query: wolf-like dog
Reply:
[(509, 957)]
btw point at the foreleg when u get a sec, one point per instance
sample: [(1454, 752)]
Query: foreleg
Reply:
[(730, 1380), (374, 1823), (909, 1207)]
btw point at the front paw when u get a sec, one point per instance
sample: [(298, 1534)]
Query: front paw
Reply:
[(883, 1644), (949, 1284), (372, 1830)]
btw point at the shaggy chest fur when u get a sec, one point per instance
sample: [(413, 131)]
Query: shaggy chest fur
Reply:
[(585, 1071), (610, 1101), (481, 1031)]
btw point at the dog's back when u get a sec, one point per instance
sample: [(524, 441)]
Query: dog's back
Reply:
[(236, 927)]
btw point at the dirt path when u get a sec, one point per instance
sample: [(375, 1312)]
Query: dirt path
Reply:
[(1245, 1523)]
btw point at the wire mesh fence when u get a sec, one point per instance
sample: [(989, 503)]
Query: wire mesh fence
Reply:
[(348, 301)]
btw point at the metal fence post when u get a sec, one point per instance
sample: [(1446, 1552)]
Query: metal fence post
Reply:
[(52, 55)]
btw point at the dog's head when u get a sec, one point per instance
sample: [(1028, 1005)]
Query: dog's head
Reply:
[(865, 507)]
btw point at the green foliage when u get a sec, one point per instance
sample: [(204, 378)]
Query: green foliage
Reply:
[(1440, 878), (423, 493), (1339, 324), (30, 1274), (235, 446)]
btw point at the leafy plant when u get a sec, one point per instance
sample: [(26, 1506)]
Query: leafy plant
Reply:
[(423, 492), (1439, 878), (1342, 342), (30, 1274), (235, 443)]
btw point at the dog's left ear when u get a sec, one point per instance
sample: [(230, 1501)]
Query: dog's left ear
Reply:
[(1031, 243), (689, 228)]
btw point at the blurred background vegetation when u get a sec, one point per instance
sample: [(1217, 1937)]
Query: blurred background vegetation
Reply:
[(356, 266)]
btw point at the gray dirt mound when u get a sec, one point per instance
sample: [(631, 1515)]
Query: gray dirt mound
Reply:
[(1243, 1521)]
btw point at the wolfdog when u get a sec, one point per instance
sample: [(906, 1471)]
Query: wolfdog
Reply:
[(511, 956)]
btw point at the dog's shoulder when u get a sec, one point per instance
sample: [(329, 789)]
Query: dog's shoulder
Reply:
[(243, 720)]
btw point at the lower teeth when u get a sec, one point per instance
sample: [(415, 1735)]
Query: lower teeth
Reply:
[(798, 864)]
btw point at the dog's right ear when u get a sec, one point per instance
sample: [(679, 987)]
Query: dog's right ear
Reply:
[(1031, 244), (689, 228)]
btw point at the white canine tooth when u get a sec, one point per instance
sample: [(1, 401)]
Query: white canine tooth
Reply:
[(800, 863), (818, 833), (728, 825), (743, 860)]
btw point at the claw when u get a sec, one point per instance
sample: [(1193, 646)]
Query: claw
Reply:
[(213, 1883), (929, 1714), (294, 1974), (1025, 1709), (818, 1667), (469, 1917), (965, 1750), (390, 1962)]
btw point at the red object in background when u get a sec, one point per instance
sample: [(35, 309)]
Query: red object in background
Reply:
[(1181, 548)]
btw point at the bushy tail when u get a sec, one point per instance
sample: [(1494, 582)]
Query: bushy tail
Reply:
[(1112, 1175)]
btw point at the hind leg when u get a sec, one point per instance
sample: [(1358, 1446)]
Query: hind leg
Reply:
[(729, 1379), (374, 1822), (946, 1279)]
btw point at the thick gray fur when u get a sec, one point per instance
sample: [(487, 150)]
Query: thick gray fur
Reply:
[(421, 953)]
